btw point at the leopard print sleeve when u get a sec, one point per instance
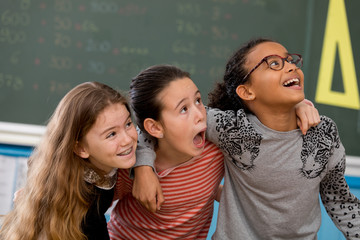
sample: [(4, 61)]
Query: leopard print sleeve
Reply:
[(223, 125), (341, 205), (233, 133), (216, 117)]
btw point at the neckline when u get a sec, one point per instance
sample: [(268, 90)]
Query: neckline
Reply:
[(107, 182)]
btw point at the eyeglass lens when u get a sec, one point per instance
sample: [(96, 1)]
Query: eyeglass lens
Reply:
[(277, 62)]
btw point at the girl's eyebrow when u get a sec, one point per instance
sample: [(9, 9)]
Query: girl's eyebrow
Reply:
[(112, 127), (285, 53), (182, 100)]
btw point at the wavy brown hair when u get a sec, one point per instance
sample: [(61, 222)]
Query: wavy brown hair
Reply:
[(55, 199)]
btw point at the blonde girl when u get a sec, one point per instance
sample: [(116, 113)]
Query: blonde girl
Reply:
[(72, 172)]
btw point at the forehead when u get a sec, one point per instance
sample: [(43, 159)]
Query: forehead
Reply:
[(112, 114), (176, 91), (265, 49)]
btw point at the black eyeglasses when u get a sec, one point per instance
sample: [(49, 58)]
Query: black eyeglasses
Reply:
[(275, 62)]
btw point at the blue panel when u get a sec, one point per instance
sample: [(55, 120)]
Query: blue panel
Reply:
[(16, 151), (353, 182)]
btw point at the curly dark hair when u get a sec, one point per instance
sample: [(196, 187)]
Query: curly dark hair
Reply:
[(224, 96)]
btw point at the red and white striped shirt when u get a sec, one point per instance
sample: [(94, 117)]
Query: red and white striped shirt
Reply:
[(189, 190)]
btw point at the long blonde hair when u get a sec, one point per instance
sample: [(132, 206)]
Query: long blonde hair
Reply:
[(55, 199)]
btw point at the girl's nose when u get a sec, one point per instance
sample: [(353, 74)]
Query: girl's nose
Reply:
[(125, 139), (199, 115), (289, 67)]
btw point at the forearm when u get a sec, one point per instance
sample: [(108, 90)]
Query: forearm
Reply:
[(341, 205), (145, 154)]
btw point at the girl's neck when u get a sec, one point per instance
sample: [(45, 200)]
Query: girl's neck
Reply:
[(167, 158), (277, 119)]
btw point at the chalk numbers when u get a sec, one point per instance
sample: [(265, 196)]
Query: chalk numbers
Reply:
[(61, 63), (11, 18), (11, 81), (59, 87)]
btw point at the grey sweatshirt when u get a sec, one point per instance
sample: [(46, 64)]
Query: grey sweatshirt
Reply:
[(273, 180)]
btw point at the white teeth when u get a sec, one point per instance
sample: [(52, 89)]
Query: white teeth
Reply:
[(126, 152), (292, 82)]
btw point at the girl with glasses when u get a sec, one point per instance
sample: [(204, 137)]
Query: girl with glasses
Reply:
[(273, 173), (72, 172)]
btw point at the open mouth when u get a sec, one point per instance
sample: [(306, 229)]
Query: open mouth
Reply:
[(292, 82), (199, 139)]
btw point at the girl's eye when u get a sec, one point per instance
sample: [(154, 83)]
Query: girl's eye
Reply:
[(274, 64), (198, 101), (293, 61), (183, 110), (290, 59), (111, 135), (129, 124)]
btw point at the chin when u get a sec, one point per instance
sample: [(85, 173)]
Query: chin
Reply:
[(128, 164), (199, 151), (299, 99), (132, 163)]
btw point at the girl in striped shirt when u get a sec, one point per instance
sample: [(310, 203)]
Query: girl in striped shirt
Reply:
[(168, 106)]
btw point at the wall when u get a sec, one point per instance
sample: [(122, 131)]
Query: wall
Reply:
[(49, 47)]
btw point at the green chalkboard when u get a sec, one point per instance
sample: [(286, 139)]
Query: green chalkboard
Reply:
[(48, 47)]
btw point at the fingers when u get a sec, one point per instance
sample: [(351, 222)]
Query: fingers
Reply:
[(313, 117), (151, 205), (146, 187), (302, 125), (160, 199), (308, 116), (147, 201), (154, 203), (303, 118)]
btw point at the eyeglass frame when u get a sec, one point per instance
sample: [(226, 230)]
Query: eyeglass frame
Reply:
[(274, 55)]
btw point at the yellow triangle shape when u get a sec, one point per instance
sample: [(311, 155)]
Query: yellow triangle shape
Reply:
[(337, 35)]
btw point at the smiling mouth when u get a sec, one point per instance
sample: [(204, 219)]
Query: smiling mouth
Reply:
[(292, 82), (127, 152)]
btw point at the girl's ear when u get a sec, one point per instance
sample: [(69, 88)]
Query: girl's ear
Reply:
[(154, 128), (245, 93), (80, 150)]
